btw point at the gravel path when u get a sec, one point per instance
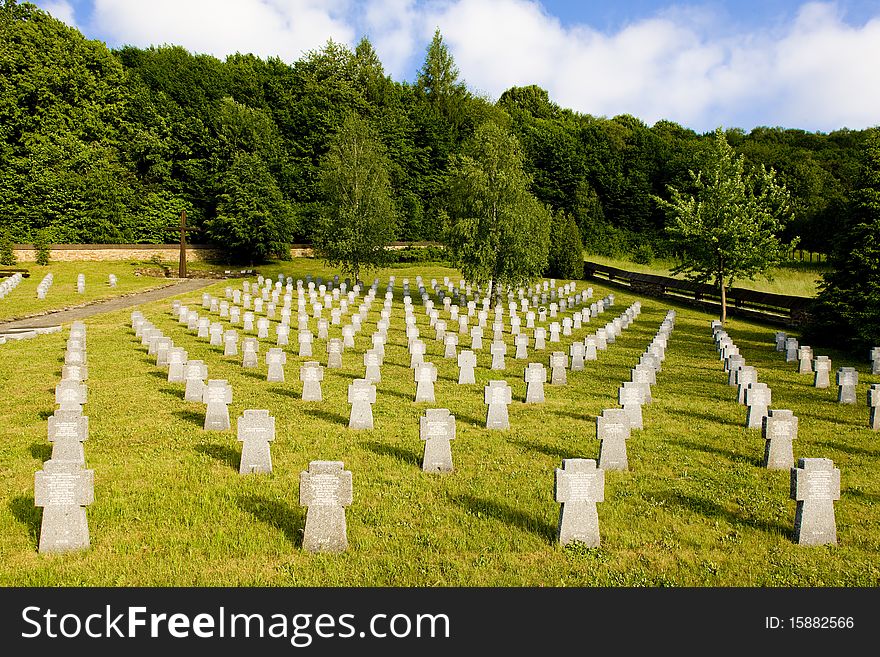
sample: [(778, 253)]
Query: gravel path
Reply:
[(72, 314)]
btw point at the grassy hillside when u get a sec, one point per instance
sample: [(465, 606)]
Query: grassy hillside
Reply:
[(695, 509)]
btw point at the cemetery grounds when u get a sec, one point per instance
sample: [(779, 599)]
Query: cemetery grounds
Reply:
[(171, 509)]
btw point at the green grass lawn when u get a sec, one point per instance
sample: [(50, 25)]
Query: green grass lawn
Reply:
[(695, 509), (22, 301), (794, 278)]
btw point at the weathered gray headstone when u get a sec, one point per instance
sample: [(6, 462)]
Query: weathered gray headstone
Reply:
[(311, 374), (745, 376), (305, 339), (540, 336), (334, 353), (230, 343), (498, 349), (70, 395), (590, 348), (558, 367), (67, 432), (805, 360), (779, 429), (326, 489), (780, 341), (250, 347), (535, 375), (177, 358), (437, 428), (195, 374), (450, 341), (822, 369), (416, 353), (497, 395), (217, 395), (815, 485), (758, 400), (275, 360), (576, 349), (873, 404), (425, 375), (476, 338), (847, 379), (629, 396), (579, 485), (372, 363), (361, 396), (256, 429), (63, 488), (613, 430), (74, 372), (521, 341), (791, 347), (467, 361)]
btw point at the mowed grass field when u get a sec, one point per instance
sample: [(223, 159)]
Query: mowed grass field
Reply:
[(800, 279), (695, 509), (23, 301)]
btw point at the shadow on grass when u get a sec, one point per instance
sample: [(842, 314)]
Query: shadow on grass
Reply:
[(401, 454), (733, 456), (586, 417), (159, 375), (275, 514), (222, 453), (708, 417), (849, 449), (285, 392), (861, 495), (41, 451), (474, 422), (332, 418), (549, 450), (192, 417), (251, 374), (714, 510), (346, 375), (179, 393), (506, 514), (45, 415), (397, 393), (23, 509)]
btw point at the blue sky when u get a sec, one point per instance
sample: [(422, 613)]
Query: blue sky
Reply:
[(809, 65)]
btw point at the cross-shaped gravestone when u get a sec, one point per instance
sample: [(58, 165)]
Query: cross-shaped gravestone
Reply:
[(305, 343), (535, 375), (63, 488), (256, 429), (334, 353), (67, 431), (805, 360), (576, 350), (498, 349), (601, 339), (732, 364), (467, 361), (425, 376), (521, 341), (311, 374), (779, 429), (177, 358), (230, 343), (822, 369), (361, 396), (613, 430), (558, 366), (745, 376), (217, 395), (758, 399), (540, 335), (590, 347), (372, 363), (416, 353), (646, 377), (815, 485), (75, 373), (203, 327), (566, 326), (275, 360), (262, 328), (70, 395), (477, 338), (378, 344), (195, 374), (450, 341), (791, 347), (325, 489), (629, 396), (437, 428), (780, 341), (554, 331), (579, 485), (250, 347), (497, 395), (216, 334), (873, 404), (847, 379)]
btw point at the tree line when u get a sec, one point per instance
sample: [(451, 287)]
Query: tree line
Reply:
[(102, 145)]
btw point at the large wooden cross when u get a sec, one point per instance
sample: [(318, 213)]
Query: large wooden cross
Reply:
[(181, 269)]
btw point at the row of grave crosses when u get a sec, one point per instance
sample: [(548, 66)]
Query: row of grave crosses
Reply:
[(815, 483), (64, 487), (847, 378)]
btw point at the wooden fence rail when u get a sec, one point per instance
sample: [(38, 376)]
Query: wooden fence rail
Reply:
[(781, 309)]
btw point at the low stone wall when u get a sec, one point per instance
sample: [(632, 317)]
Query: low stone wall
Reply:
[(166, 252), (98, 252)]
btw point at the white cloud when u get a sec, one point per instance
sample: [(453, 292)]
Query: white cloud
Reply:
[(283, 28), (60, 9), (391, 26), (818, 73)]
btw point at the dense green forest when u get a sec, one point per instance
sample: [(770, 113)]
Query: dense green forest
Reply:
[(103, 145)]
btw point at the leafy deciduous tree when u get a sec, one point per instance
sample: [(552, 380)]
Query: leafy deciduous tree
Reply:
[(358, 217), (728, 228)]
